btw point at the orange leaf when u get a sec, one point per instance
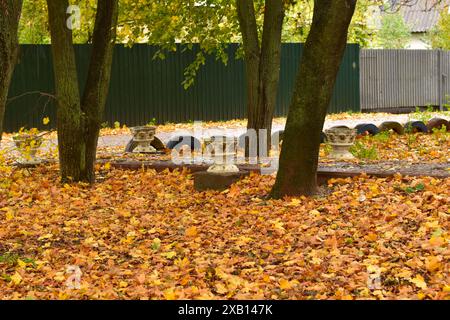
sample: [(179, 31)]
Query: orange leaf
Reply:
[(191, 231), (285, 284)]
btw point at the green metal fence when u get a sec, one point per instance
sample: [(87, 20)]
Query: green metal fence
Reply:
[(143, 88)]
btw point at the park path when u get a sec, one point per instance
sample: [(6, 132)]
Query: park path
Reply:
[(122, 139), (377, 119)]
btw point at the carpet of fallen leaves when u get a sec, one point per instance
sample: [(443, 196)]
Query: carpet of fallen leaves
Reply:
[(411, 147), (148, 235)]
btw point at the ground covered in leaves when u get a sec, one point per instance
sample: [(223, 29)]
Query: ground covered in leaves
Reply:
[(148, 235)]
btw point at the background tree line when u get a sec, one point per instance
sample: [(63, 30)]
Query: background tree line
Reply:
[(260, 25)]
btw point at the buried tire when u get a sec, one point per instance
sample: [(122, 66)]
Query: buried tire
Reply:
[(243, 138), (437, 123), (415, 126), (156, 143), (280, 136), (367, 128), (180, 141), (392, 125)]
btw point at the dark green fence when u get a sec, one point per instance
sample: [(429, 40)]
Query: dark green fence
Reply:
[(143, 88)]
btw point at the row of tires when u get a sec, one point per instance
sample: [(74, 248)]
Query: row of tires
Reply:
[(362, 129), (410, 127)]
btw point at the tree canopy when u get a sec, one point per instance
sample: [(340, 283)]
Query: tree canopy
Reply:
[(166, 22), (394, 32), (440, 37)]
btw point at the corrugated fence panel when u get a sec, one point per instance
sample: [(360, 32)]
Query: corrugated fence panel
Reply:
[(143, 88), (392, 79), (347, 83), (33, 74), (446, 78), (346, 92)]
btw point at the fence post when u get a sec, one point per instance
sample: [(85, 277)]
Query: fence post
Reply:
[(441, 81)]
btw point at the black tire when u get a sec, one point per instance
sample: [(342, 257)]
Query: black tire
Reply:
[(415, 126), (367, 128), (224, 138), (178, 142), (392, 125), (437, 123), (130, 146), (243, 137), (334, 127), (280, 135), (241, 141), (323, 137), (156, 143)]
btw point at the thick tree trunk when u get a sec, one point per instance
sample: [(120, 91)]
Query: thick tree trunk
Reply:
[(315, 81), (262, 62), (78, 121), (9, 47), (70, 118)]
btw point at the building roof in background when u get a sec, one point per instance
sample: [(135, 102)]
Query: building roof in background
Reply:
[(423, 15)]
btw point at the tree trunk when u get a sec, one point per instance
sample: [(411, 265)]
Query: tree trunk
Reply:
[(97, 84), (262, 63), (9, 47), (269, 68), (315, 81), (70, 118), (78, 121)]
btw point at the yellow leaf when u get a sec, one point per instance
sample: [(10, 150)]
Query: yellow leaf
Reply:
[(9, 215), (278, 225), (192, 231), (16, 278), (59, 277), (220, 288), (294, 202), (419, 282), (169, 294), (46, 120), (169, 255), (285, 284), (123, 284), (372, 236), (125, 213), (21, 263), (314, 213), (134, 222), (182, 263), (373, 269), (107, 166), (437, 241), (432, 263)]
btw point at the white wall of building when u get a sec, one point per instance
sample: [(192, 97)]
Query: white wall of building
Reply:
[(417, 42)]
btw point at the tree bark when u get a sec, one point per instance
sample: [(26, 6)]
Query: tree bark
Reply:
[(269, 67), (9, 47), (262, 62), (324, 49), (70, 118), (98, 80), (78, 121)]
